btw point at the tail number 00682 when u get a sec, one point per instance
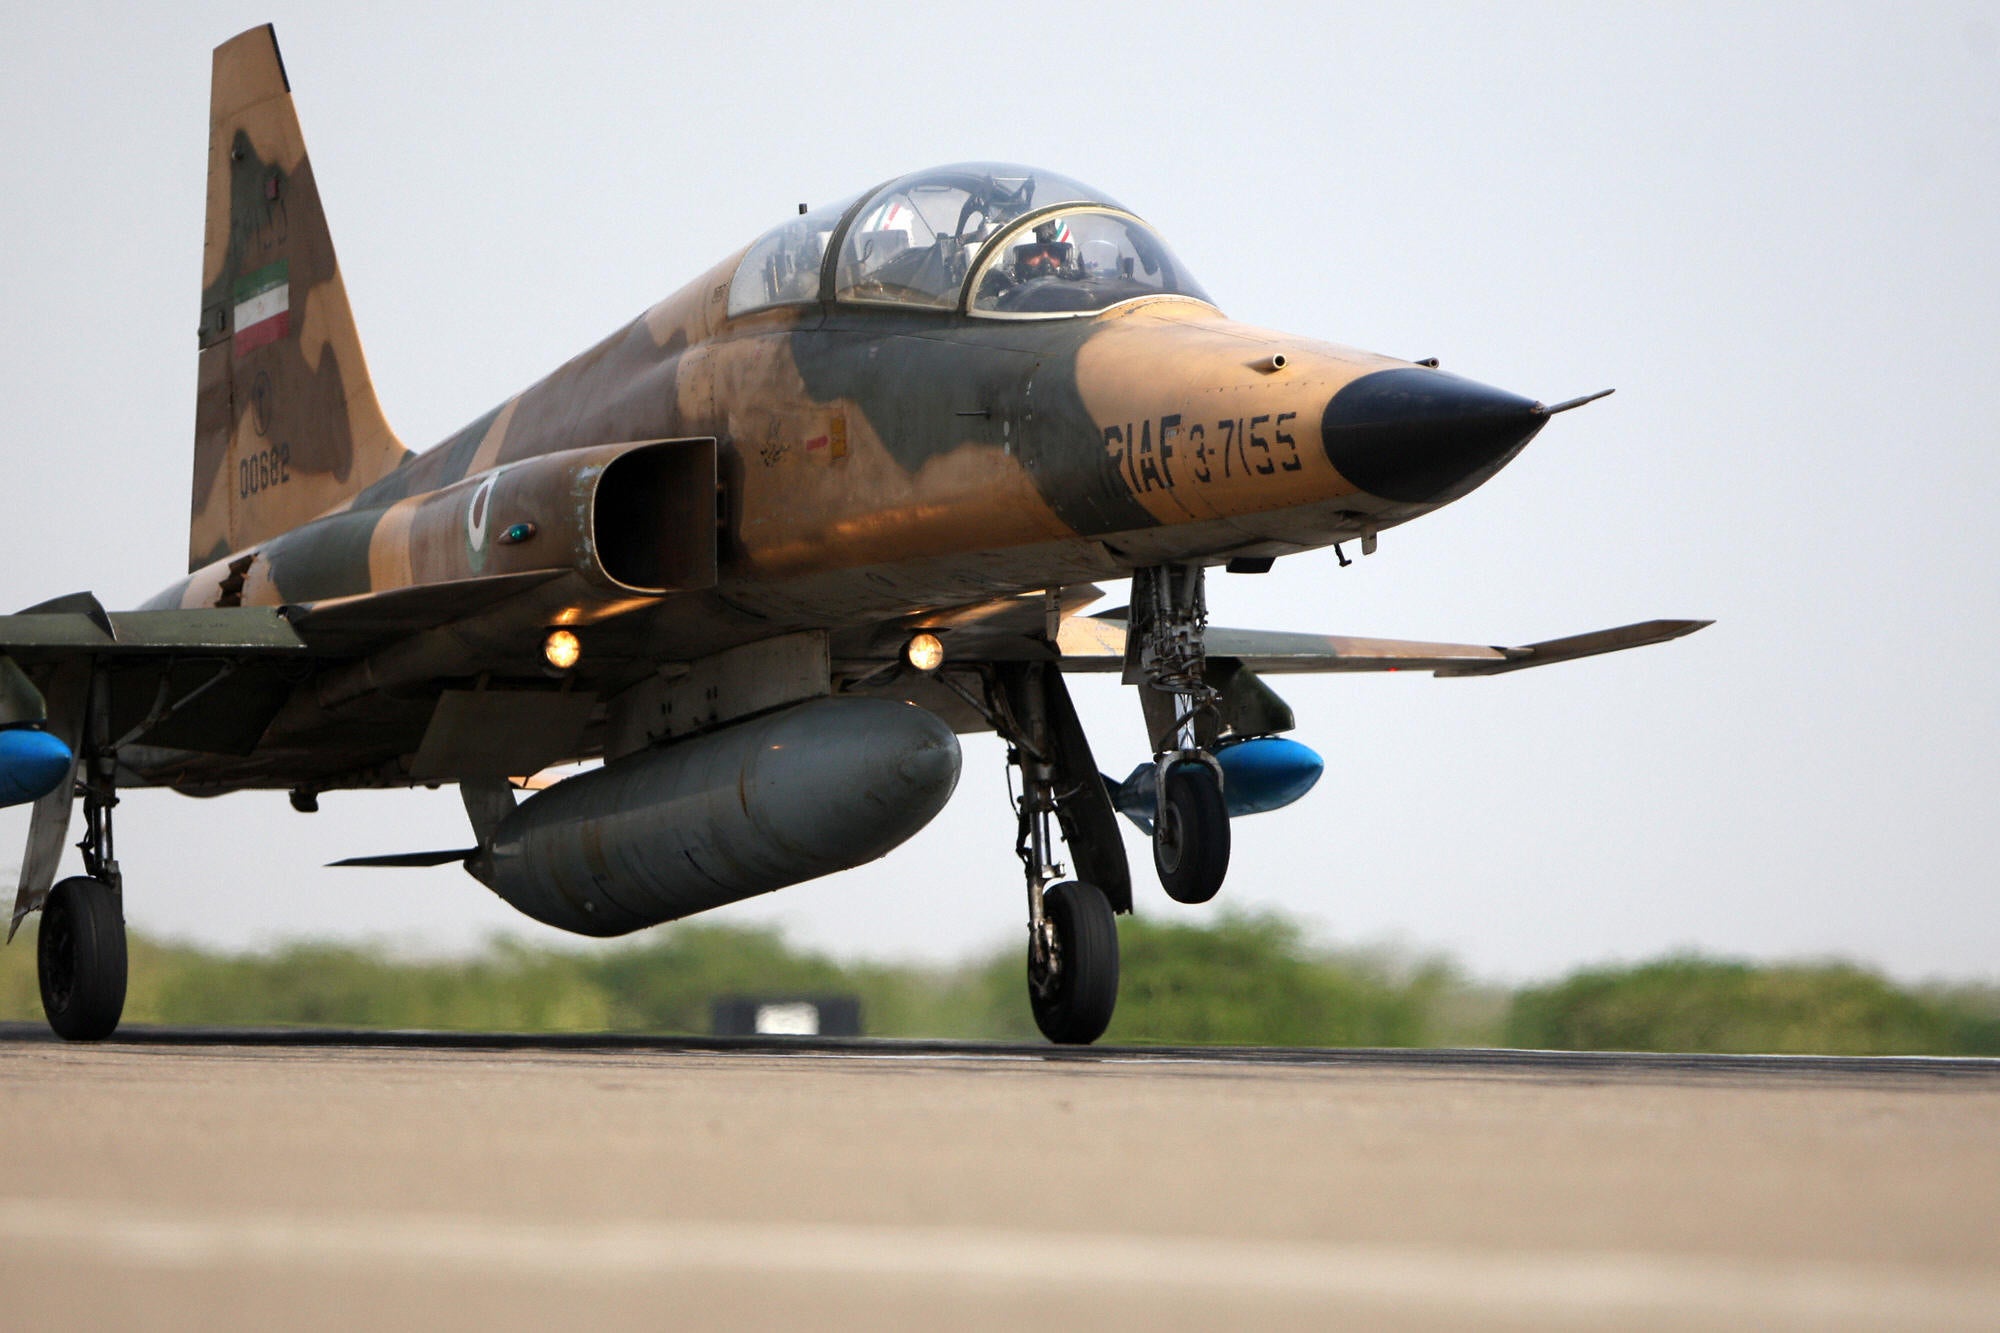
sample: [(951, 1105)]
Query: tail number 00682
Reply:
[(264, 469)]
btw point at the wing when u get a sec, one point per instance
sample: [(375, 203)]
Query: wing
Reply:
[(1040, 628), (203, 679), (208, 679), (1013, 629), (1097, 643)]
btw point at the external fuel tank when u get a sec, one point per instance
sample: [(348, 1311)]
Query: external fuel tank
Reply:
[(696, 823)]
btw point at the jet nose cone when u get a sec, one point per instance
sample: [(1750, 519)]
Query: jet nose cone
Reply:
[(1420, 436)]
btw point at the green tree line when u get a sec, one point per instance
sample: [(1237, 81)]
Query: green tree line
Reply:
[(1254, 979)]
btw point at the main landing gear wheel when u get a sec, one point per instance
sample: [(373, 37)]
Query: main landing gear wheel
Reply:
[(1072, 922), (1191, 836), (1073, 976), (81, 959)]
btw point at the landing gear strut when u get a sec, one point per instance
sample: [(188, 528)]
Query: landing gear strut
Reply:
[(1166, 658), (80, 956), (1072, 937), (1072, 926)]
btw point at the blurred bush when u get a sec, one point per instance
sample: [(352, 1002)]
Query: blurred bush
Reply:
[(1238, 978), (1254, 980), (1690, 1003)]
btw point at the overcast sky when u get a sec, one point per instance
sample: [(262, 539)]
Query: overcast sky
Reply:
[(1772, 229)]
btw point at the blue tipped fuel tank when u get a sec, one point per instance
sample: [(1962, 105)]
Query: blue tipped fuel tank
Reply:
[(1258, 774), (1266, 773), (694, 824), (31, 764)]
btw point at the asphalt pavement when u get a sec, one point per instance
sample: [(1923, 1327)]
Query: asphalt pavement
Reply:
[(184, 1179)]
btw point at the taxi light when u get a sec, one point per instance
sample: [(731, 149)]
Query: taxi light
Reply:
[(924, 652), (561, 649)]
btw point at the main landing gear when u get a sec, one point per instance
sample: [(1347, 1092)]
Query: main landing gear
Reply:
[(1072, 938), (80, 956), (1165, 657), (1072, 922), (1072, 925), (1072, 962)]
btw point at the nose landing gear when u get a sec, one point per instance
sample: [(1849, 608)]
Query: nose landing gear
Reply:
[(1165, 657), (1191, 833)]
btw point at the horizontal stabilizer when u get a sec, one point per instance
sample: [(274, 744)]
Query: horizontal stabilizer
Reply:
[(409, 858)]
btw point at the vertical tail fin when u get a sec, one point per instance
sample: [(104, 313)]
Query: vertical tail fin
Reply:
[(286, 420)]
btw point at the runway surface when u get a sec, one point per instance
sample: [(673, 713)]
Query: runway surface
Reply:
[(185, 1179)]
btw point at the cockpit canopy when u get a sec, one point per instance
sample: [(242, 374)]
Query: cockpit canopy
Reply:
[(992, 239)]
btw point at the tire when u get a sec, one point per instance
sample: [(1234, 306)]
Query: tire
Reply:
[(80, 959), (1191, 841), (1076, 1008)]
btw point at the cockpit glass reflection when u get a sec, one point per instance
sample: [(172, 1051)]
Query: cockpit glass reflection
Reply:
[(1034, 245), (1078, 261), (914, 240), (783, 267)]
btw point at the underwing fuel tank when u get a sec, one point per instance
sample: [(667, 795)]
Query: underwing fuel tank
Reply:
[(683, 827), (1259, 773)]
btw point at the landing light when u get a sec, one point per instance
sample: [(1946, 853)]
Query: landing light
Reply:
[(924, 652), (561, 649)]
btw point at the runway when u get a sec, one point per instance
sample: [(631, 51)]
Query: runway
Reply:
[(201, 1178)]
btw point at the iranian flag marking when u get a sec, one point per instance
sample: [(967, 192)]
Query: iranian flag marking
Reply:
[(263, 307)]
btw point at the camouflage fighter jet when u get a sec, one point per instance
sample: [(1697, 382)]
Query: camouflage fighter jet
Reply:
[(763, 552)]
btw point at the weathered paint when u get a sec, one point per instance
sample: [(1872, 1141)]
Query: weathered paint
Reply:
[(286, 420)]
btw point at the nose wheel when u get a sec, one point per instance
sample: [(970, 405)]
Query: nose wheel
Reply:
[(1166, 658), (1191, 835)]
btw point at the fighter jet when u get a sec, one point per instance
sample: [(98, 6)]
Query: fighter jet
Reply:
[(764, 552)]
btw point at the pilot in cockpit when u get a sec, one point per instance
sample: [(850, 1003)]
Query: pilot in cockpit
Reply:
[(1045, 256)]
